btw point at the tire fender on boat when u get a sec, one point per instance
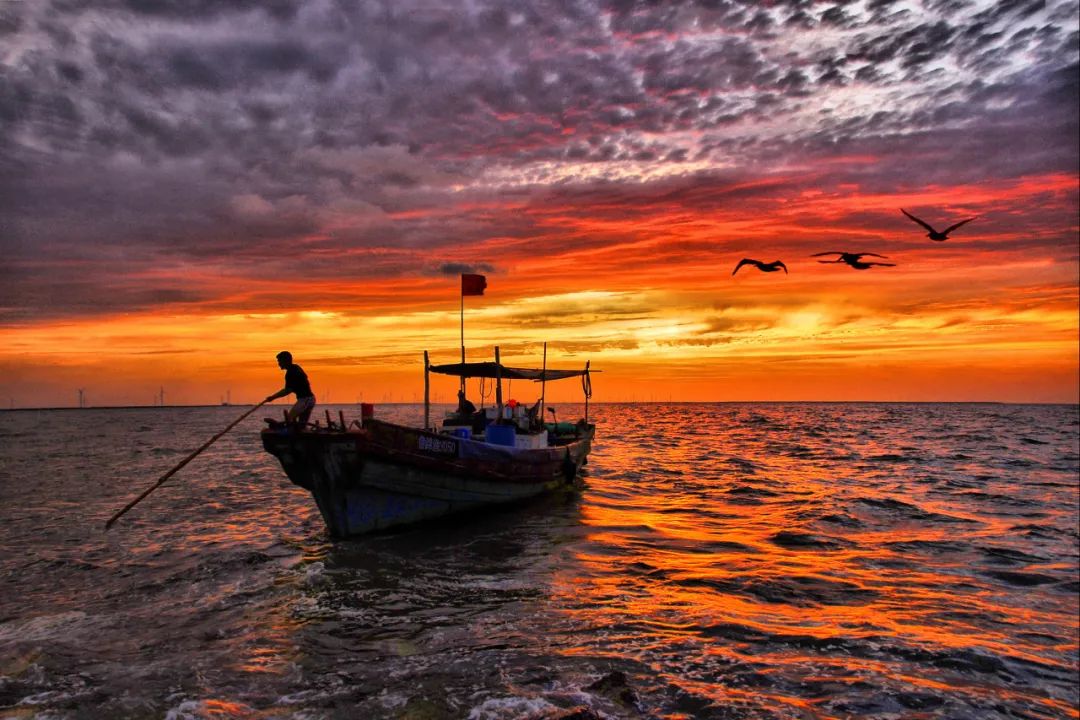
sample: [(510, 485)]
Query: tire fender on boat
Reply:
[(568, 467)]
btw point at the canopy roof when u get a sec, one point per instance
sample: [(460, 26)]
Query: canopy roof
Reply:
[(488, 370)]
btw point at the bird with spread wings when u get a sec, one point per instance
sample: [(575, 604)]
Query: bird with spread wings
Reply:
[(762, 266), (931, 232), (855, 260)]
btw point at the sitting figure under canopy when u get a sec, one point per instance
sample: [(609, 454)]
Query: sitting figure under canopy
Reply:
[(466, 414), (465, 407)]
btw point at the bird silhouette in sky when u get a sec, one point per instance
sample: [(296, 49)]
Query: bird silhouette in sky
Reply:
[(931, 232), (854, 260), (762, 266)]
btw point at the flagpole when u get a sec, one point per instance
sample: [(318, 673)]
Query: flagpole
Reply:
[(470, 285), (462, 339)]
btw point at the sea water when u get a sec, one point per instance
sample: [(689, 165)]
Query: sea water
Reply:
[(720, 561)]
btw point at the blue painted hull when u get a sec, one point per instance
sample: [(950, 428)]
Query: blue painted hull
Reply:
[(387, 475)]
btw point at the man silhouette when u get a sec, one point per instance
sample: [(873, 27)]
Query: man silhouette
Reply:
[(296, 381)]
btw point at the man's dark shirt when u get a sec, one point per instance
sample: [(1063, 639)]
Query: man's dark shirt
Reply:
[(297, 382)]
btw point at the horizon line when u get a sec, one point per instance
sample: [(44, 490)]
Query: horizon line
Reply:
[(578, 402)]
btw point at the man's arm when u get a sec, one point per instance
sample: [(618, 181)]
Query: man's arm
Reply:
[(280, 393)]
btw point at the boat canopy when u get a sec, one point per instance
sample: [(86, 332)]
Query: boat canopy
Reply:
[(493, 370)]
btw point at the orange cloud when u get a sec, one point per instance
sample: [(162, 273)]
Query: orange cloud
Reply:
[(644, 289)]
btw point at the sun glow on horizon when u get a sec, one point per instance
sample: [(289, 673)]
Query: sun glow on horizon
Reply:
[(691, 343), (645, 293)]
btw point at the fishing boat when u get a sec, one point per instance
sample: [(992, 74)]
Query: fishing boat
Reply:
[(371, 474)]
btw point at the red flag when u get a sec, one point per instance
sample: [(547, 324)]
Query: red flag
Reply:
[(473, 284)]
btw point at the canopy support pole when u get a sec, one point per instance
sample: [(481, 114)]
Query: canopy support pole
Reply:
[(498, 385), (427, 393), (543, 382), (585, 377)]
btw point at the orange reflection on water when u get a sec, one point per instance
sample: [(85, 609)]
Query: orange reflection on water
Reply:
[(264, 660), (784, 552)]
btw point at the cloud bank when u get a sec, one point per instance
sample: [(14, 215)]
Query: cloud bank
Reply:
[(164, 154)]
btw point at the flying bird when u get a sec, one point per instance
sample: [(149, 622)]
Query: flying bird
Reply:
[(931, 232), (762, 266), (854, 259)]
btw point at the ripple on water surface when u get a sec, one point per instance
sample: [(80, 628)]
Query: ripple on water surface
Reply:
[(731, 560)]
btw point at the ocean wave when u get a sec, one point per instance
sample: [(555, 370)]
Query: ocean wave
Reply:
[(776, 561)]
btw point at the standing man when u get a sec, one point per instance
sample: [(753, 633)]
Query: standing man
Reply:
[(296, 381)]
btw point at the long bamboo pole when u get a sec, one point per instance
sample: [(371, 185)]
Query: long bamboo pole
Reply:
[(183, 462)]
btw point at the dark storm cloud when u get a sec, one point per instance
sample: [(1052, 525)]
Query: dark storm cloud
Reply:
[(180, 9), (77, 293), (232, 64), (453, 268), (702, 192), (168, 132), (194, 9)]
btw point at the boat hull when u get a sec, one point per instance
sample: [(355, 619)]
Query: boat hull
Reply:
[(385, 475)]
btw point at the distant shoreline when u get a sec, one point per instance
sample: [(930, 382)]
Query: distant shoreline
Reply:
[(240, 406)]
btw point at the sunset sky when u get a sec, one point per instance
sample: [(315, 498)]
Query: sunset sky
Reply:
[(189, 186)]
